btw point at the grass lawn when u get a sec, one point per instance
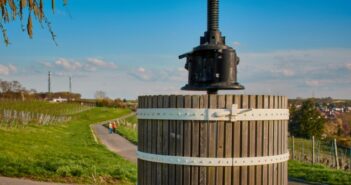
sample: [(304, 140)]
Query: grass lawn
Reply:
[(64, 152), (318, 173), (44, 107), (132, 119), (128, 133)]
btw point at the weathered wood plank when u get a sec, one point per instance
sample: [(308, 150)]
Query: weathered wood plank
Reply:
[(259, 142), (279, 143), (271, 144), (149, 142), (212, 135), (285, 105), (140, 146), (265, 169), (179, 142), (187, 143), (195, 152), (154, 104), (275, 143), (165, 141), (172, 142), (220, 139), (228, 142), (237, 143), (203, 141), (252, 142), (244, 141), (159, 141)]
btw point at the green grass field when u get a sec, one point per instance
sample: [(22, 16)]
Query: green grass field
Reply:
[(44, 107), (127, 132), (132, 119), (64, 152), (318, 174)]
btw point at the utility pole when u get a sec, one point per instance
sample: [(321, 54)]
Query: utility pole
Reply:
[(49, 82), (70, 84)]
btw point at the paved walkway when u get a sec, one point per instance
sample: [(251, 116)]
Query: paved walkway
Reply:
[(115, 143), (14, 181)]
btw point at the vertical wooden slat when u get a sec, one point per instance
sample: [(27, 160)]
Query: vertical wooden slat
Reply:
[(271, 143), (221, 104), (159, 141), (279, 143), (172, 142), (259, 142), (244, 141), (237, 143), (154, 104), (228, 140), (165, 142), (265, 170), (285, 106), (179, 142), (140, 144), (212, 127), (195, 142), (252, 142), (149, 142), (187, 143), (203, 142), (275, 143)]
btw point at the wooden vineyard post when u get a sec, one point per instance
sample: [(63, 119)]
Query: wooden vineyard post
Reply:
[(336, 154), (313, 150), (212, 139), (293, 148)]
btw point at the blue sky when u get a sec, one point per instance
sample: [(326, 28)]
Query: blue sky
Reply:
[(130, 47)]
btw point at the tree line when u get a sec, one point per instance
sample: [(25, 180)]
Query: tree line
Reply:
[(16, 91)]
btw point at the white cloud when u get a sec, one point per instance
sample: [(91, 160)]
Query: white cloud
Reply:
[(141, 70), (286, 72), (68, 65), (47, 64), (160, 74), (236, 44), (7, 69), (317, 83), (101, 63), (142, 74), (348, 66)]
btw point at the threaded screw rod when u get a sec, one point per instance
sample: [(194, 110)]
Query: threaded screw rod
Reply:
[(213, 15)]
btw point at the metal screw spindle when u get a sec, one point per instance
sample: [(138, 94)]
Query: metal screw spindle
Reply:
[(213, 15)]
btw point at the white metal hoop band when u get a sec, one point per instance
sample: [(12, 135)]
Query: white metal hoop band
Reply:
[(202, 161), (233, 114)]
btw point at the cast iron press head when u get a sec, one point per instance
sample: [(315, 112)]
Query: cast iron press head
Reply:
[(212, 66)]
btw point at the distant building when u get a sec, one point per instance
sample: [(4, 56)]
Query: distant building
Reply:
[(59, 100), (338, 110)]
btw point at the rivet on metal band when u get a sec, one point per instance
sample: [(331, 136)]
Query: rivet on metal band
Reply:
[(204, 161), (233, 114)]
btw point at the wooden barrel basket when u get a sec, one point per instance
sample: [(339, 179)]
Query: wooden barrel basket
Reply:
[(213, 140)]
